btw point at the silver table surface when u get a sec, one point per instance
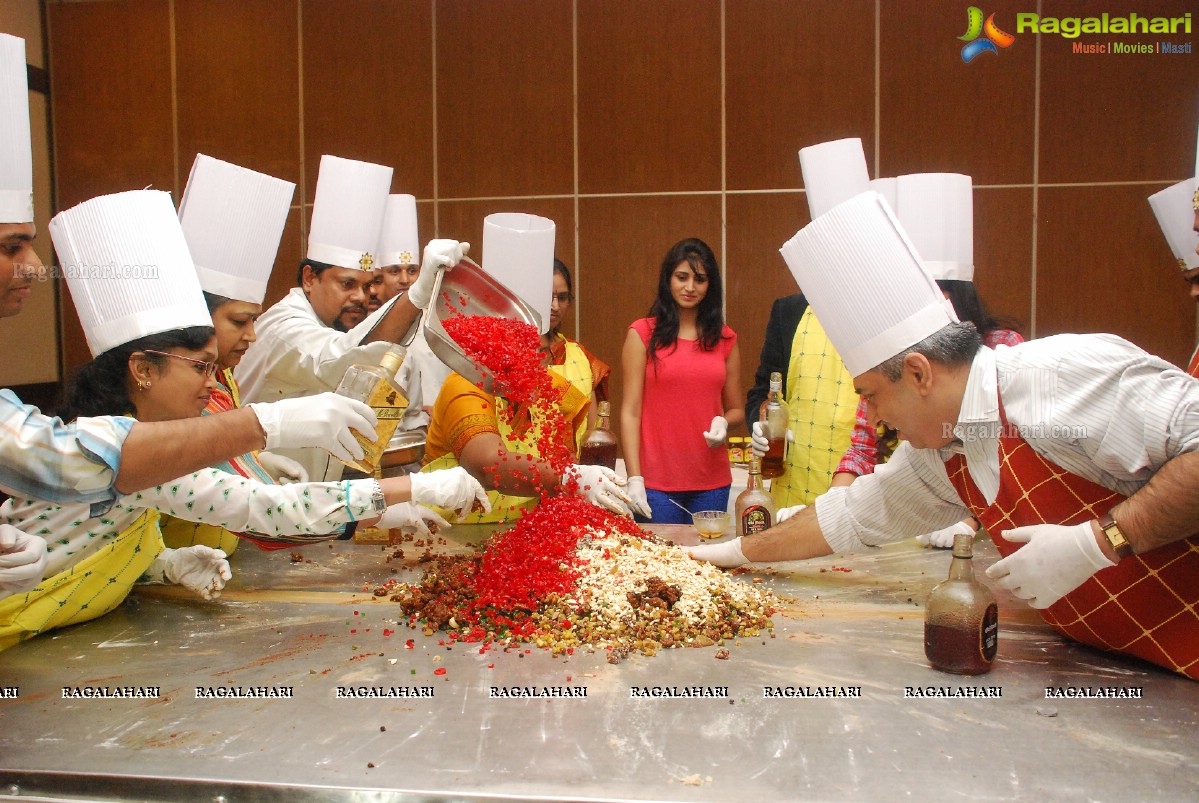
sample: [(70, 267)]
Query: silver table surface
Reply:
[(292, 624)]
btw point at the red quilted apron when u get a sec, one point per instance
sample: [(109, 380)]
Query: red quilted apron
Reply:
[(1145, 606), (1193, 368)]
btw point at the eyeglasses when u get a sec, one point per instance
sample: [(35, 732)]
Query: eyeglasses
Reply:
[(209, 368), (562, 298)]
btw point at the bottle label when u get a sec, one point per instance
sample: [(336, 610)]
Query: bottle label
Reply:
[(389, 405), (989, 633), (755, 519), (387, 402)]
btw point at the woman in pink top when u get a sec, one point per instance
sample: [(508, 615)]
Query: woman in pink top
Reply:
[(682, 391)]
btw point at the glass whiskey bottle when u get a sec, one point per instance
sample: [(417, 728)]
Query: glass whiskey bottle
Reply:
[(755, 508), (599, 448), (373, 385), (774, 414), (961, 619)]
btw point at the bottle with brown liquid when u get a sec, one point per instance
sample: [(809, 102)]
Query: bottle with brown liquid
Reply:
[(599, 448), (373, 385), (961, 619), (773, 414), (755, 508)]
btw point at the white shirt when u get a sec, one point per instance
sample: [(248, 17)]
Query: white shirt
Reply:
[(209, 496), (1096, 405), (297, 355)]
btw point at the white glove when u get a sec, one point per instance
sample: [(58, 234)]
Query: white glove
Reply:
[(759, 441), (283, 470), (322, 420), (787, 512), (599, 485), (943, 538), (635, 488), (717, 431), (452, 488), (411, 516), (198, 568), (1054, 561), (726, 554), (22, 560), (439, 255)]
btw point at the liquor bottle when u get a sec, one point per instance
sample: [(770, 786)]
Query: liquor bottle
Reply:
[(755, 508), (599, 448), (373, 385), (774, 415), (961, 619)]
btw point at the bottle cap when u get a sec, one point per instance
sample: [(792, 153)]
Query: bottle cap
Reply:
[(605, 408), (963, 545)]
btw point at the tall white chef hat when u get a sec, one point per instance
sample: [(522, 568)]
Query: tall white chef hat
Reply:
[(399, 242), (128, 268), (233, 218), (347, 213), (859, 246), (16, 153), (518, 251), (833, 172), (1175, 209), (937, 212)]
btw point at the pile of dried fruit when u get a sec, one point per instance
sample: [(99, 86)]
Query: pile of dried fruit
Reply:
[(570, 575)]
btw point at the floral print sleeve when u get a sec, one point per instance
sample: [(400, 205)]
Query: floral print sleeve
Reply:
[(238, 504)]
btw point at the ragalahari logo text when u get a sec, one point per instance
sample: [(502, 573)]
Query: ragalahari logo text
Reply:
[(982, 37)]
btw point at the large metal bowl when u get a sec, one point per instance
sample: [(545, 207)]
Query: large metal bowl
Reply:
[(468, 290)]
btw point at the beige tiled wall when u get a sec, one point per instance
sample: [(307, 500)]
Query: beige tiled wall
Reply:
[(634, 124)]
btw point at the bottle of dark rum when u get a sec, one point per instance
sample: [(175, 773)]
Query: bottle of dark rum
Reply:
[(599, 448), (755, 508), (773, 414), (374, 385), (961, 619)]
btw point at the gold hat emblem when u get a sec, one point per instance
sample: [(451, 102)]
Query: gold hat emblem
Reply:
[(406, 258), (1195, 200), (367, 262)]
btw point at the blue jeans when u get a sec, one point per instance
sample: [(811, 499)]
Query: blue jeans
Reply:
[(695, 501)]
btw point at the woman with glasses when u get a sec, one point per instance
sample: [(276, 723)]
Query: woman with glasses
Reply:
[(568, 358)]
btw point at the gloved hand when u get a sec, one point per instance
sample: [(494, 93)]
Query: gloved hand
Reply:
[(322, 420), (635, 488), (439, 255), (599, 485), (22, 560), (198, 568), (1054, 561), (759, 441), (787, 512), (411, 516), (452, 488), (283, 470), (943, 538), (726, 554), (717, 431)]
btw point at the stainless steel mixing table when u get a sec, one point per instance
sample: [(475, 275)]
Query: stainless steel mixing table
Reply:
[(307, 626)]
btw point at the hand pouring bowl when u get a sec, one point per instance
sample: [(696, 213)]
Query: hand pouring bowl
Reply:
[(468, 290)]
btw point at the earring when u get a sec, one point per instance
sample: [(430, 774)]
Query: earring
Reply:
[(143, 384)]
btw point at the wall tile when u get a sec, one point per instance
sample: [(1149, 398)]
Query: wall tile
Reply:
[(1003, 253), (649, 96), (287, 261), (504, 103), (796, 87)]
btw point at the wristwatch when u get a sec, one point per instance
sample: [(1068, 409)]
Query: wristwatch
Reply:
[(378, 501), (1114, 536)]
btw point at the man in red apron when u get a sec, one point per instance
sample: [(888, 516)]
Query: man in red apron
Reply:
[(1079, 453)]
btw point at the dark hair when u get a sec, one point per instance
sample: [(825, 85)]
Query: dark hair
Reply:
[(214, 301), (953, 344), (970, 307), (98, 388), (709, 317), (317, 269), (563, 271)]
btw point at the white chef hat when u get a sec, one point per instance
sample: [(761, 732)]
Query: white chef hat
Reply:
[(128, 268), (832, 172), (1175, 210), (858, 249), (347, 212), (937, 212), (399, 242), (233, 218), (16, 153), (518, 251)]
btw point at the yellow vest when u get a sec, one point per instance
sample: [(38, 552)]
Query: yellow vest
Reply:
[(87, 590), (821, 409)]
